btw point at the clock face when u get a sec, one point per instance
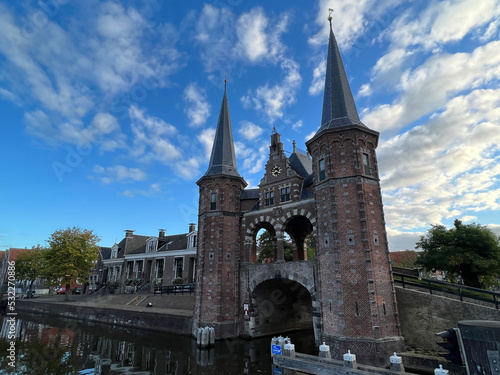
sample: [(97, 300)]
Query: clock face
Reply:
[(276, 170)]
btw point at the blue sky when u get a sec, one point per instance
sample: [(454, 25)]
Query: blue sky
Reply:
[(108, 108)]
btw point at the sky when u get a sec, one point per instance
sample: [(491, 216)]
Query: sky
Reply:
[(108, 109)]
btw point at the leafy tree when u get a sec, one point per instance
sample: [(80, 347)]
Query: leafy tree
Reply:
[(71, 255), (471, 251), (30, 265), (311, 247), (266, 245), (406, 259)]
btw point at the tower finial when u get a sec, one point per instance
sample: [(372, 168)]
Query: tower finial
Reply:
[(330, 10), (225, 82)]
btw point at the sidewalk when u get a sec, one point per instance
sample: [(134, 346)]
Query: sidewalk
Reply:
[(181, 305)]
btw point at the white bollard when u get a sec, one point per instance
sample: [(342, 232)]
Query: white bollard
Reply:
[(440, 371), (288, 348), (204, 337), (396, 363), (198, 336), (211, 334), (324, 351), (350, 360)]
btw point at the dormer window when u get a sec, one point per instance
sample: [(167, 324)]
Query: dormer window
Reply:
[(285, 194), (192, 241), (213, 201), (152, 245), (366, 164), (322, 172), (114, 251), (269, 198)]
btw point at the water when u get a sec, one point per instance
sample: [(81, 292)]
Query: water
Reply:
[(54, 346)]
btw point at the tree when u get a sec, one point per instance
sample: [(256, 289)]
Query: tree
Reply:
[(30, 265), (471, 251), (265, 242), (71, 255), (311, 246)]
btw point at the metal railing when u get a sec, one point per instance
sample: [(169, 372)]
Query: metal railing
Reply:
[(175, 289), (462, 291)]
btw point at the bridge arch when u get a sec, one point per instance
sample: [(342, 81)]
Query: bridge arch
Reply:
[(280, 305)]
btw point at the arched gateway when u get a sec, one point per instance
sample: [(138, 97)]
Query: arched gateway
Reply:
[(330, 194)]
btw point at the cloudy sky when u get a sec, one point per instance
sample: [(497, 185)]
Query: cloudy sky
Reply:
[(108, 108)]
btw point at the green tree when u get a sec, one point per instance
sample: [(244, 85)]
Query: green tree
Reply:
[(311, 247), (30, 265), (471, 251), (265, 242), (71, 255)]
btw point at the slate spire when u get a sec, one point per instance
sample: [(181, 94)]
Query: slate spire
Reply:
[(339, 109), (223, 159)]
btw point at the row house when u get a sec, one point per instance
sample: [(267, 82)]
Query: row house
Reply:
[(142, 262)]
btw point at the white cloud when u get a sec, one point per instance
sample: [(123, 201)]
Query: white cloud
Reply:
[(206, 138), (253, 37), (249, 130), (152, 137), (63, 68), (153, 190), (273, 100), (297, 125), (445, 168), (428, 87), (198, 109), (119, 173), (318, 82)]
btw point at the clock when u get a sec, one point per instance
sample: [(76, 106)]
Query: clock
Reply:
[(276, 170)]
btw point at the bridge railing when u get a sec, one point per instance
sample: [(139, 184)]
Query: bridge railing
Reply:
[(175, 289), (461, 291)]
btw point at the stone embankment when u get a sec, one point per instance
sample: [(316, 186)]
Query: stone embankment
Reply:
[(172, 313)]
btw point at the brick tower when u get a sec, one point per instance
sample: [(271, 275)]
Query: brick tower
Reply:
[(356, 291), (217, 279)]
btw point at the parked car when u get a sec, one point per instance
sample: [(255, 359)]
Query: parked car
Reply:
[(61, 291), (77, 290)]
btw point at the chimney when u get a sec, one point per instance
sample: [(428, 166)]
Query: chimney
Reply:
[(192, 227), (161, 232), (129, 233)]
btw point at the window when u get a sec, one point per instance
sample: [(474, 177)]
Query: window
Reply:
[(269, 198), (366, 164), (152, 245), (322, 173), (139, 273), (213, 201), (285, 194), (193, 240), (159, 268), (178, 266)]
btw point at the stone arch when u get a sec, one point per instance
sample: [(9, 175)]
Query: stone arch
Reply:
[(262, 222), (299, 224), (280, 305)]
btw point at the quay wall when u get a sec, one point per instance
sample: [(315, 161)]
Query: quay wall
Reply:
[(154, 321), (422, 315)]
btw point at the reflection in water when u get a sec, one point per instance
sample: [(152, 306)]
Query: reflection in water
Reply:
[(53, 346)]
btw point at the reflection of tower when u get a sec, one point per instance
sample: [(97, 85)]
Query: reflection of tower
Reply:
[(216, 302), (358, 306)]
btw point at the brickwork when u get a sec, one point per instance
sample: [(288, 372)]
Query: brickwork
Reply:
[(356, 293)]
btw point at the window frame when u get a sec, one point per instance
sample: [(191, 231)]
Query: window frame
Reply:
[(285, 196), (269, 200), (321, 169), (213, 201)]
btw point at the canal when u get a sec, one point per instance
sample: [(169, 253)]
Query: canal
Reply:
[(54, 346)]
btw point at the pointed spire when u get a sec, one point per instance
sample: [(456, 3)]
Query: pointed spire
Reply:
[(339, 108), (223, 159)]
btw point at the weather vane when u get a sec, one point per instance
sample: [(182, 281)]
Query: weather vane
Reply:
[(330, 10), (225, 81)]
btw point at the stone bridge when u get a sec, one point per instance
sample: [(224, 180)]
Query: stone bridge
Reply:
[(281, 297)]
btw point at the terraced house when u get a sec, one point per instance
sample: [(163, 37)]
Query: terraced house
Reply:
[(140, 262)]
